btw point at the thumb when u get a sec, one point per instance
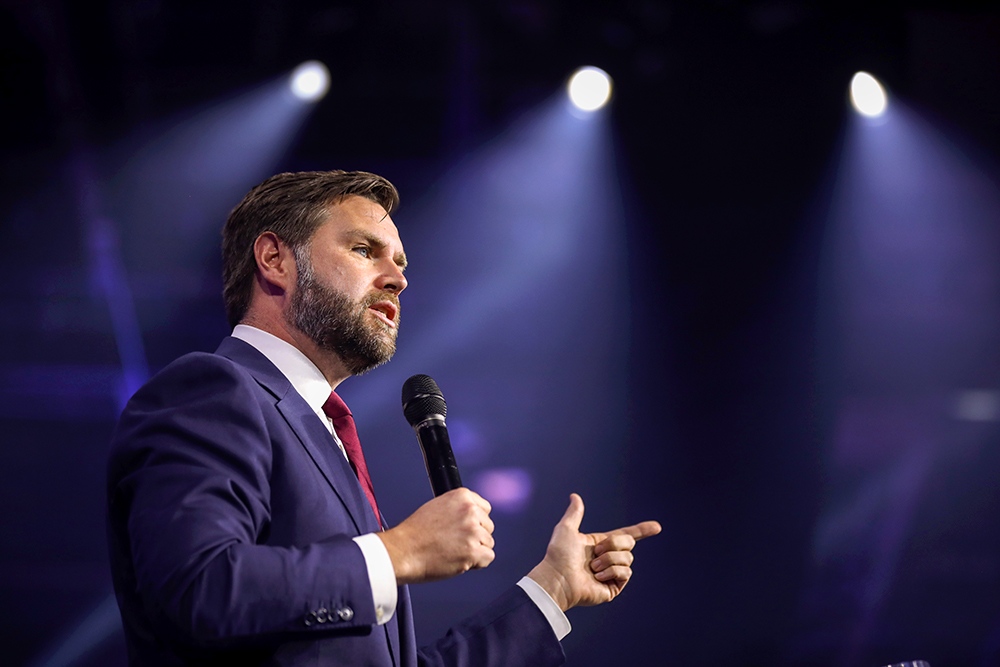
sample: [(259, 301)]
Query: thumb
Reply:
[(574, 513)]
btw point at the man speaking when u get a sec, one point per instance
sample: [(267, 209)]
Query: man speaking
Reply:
[(242, 521)]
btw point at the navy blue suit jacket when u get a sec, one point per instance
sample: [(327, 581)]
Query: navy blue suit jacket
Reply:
[(230, 517)]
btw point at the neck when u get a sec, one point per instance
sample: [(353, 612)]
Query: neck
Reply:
[(329, 364)]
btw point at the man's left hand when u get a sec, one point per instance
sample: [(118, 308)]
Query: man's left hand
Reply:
[(583, 569)]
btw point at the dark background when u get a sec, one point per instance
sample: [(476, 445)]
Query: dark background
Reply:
[(726, 128)]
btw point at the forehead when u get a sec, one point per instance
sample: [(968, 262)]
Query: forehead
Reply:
[(359, 215)]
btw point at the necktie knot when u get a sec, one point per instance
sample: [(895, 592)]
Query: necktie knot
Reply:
[(335, 408)]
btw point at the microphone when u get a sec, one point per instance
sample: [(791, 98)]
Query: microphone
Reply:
[(425, 410)]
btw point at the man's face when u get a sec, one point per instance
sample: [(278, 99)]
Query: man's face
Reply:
[(346, 298)]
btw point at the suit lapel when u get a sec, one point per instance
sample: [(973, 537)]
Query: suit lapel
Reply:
[(328, 458), (311, 432)]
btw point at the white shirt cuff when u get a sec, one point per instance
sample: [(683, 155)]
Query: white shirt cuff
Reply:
[(381, 575), (553, 614)]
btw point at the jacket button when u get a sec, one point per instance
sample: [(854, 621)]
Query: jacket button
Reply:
[(322, 615), (345, 613), (310, 618)]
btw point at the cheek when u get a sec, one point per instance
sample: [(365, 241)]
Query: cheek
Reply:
[(346, 274), (355, 286), (336, 275)]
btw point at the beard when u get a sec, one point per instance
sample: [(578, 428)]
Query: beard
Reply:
[(337, 324)]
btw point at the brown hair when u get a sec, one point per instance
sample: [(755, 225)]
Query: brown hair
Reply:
[(292, 206)]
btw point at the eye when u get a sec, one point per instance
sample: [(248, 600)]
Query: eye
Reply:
[(362, 250)]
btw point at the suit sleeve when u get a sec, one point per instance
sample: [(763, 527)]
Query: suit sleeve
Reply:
[(511, 632), (189, 502)]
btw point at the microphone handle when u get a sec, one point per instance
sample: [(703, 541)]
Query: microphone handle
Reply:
[(442, 471)]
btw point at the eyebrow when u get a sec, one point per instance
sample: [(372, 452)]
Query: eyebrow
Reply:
[(399, 258)]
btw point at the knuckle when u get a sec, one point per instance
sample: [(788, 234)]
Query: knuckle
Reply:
[(625, 542)]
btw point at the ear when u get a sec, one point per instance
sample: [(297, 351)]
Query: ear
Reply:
[(275, 262)]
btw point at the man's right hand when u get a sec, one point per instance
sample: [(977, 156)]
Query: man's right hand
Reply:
[(448, 535)]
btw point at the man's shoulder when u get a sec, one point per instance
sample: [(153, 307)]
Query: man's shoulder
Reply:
[(208, 376), (200, 391), (198, 368)]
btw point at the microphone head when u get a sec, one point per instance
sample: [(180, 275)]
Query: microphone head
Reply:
[(422, 398)]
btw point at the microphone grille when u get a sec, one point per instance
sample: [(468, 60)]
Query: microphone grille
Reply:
[(422, 397)]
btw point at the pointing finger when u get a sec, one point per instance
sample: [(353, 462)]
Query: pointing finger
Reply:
[(639, 530), (636, 532)]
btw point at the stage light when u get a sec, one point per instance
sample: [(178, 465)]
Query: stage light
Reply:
[(589, 88), (867, 95), (977, 405), (507, 489), (310, 81)]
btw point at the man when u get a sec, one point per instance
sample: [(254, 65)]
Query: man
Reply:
[(243, 525)]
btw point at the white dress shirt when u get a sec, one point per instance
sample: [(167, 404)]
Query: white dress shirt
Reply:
[(310, 383)]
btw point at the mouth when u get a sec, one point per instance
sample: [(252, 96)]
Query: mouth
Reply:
[(386, 311)]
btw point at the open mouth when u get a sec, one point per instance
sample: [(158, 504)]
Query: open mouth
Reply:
[(386, 311)]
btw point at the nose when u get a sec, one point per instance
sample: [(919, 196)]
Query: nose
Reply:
[(391, 279)]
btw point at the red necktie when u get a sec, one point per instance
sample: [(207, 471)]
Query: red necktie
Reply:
[(343, 422)]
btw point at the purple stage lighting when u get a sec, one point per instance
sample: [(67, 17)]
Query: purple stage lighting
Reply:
[(507, 489), (913, 280)]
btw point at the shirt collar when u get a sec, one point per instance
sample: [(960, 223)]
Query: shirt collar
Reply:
[(305, 377)]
